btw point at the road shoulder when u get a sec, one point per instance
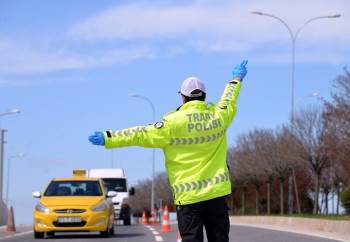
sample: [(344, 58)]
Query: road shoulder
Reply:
[(20, 231), (299, 226)]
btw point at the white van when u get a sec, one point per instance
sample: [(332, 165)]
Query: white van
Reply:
[(116, 180)]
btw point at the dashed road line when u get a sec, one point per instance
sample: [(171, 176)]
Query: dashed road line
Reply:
[(157, 237)]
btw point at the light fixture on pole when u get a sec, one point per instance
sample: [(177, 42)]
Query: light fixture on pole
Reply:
[(153, 150), (12, 111), (311, 95), (20, 155), (293, 36)]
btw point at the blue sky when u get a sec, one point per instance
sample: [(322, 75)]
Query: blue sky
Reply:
[(69, 66)]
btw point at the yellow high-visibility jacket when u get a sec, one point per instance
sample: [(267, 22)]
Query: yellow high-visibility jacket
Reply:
[(193, 140)]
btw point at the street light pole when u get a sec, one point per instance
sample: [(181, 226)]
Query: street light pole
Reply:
[(293, 37), (153, 150), (2, 142), (20, 155)]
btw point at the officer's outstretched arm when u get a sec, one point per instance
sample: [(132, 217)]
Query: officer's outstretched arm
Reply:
[(228, 100), (151, 136), (227, 103)]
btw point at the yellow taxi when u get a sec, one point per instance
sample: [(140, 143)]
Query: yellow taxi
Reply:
[(76, 204)]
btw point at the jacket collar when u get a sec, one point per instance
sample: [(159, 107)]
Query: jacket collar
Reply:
[(193, 104)]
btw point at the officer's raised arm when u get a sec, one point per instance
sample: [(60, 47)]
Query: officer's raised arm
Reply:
[(229, 98), (150, 136)]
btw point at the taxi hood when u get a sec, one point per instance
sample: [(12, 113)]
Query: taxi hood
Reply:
[(68, 201)]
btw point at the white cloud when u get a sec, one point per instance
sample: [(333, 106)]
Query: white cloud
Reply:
[(227, 26), (15, 83), (314, 57), (149, 29), (18, 59), (222, 46), (221, 19), (38, 81)]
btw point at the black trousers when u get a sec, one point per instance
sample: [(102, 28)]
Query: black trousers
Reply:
[(212, 214)]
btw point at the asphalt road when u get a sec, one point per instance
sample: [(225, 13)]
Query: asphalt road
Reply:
[(141, 233)]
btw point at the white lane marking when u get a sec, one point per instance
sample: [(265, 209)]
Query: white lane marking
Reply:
[(158, 238), (16, 235)]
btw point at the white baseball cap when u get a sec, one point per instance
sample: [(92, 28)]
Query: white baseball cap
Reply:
[(192, 87)]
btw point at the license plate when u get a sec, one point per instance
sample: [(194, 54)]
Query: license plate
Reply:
[(69, 219)]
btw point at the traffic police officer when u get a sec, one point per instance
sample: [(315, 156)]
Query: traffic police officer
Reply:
[(193, 139)]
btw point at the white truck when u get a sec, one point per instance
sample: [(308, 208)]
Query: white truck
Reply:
[(116, 180)]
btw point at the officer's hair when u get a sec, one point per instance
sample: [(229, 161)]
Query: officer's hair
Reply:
[(200, 98)]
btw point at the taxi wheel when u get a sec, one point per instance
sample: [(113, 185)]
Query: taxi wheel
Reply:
[(39, 235), (105, 233)]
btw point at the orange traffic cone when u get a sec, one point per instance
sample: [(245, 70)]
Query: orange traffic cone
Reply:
[(152, 220), (10, 221), (144, 218), (165, 225), (178, 237)]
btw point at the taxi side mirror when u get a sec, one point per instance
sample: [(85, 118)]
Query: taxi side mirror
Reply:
[(36, 194), (132, 191), (112, 194)]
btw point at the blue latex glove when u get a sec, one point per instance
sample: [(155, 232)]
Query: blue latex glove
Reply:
[(240, 71), (97, 138)]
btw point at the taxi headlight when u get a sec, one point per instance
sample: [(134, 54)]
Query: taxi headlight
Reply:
[(99, 207), (41, 208)]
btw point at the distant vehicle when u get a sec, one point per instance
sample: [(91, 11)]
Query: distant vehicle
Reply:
[(116, 180), (75, 204)]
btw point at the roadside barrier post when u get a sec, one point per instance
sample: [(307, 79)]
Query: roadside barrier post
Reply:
[(165, 225), (11, 221), (144, 218)]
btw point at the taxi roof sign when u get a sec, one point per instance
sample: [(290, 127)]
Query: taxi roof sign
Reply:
[(79, 172)]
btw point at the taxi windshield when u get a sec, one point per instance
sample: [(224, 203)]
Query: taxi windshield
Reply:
[(73, 188)]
